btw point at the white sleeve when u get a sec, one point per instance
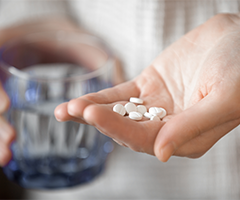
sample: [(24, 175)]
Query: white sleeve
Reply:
[(15, 11)]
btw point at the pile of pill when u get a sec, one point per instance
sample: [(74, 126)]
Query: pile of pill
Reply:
[(137, 112)]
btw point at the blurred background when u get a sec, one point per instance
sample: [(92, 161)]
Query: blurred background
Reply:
[(136, 31)]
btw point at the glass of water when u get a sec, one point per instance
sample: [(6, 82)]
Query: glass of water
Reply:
[(39, 72)]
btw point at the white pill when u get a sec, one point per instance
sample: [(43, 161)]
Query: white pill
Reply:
[(142, 109), (130, 107), (119, 108), (148, 115), (155, 118), (135, 115), (136, 100), (164, 113), (155, 111)]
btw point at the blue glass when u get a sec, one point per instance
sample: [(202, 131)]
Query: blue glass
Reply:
[(50, 154), (51, 171)]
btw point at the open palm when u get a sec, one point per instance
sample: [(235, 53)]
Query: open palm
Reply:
[(197, 80)]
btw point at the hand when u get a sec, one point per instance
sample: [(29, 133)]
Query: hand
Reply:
[(7, 134), (197, 80), (50, 24)]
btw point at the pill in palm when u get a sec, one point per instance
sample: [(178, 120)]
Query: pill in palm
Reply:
[(136, 100), (135, 115), (164, 113), (130, 107), (155, 118), (119, 108), (155, 110), (137, 112), (142, 109), (147, 115)]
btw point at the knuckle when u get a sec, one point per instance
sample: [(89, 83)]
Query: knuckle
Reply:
[(5, 157), (193, 151), (227, 20), (4, 105), (232, 107), (196, 155), (222, 16), (8, 135), (235, 18), (72, 107), (90, 97), (11, 135), (135, 148)]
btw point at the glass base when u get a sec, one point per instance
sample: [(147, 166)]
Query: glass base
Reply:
[(55, 172), (53, 181)]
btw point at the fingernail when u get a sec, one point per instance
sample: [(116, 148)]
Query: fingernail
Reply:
[(59, 120), (71, 110), (167, 151)]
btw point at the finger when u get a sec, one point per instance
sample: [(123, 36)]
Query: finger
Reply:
[(5, 102), (198, 146), (7, 133), (73, 110), (5, 154), (139, 136), (121, 92), (118, 73), (185, 126), (118, 93), (62, 115)]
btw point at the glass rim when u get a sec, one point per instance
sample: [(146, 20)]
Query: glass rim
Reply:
[(60, 35)]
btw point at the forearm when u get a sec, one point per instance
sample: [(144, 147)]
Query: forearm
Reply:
[(46, 24), (18, 18)]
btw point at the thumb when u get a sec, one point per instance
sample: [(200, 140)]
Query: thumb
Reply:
[(183, 127)]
